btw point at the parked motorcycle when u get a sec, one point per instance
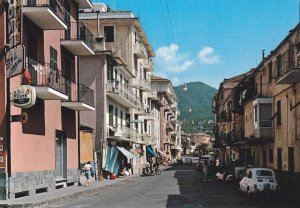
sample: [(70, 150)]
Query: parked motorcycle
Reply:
[(148, 171), (224, 176)]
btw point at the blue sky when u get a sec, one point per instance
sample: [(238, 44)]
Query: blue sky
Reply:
[(211, 39)]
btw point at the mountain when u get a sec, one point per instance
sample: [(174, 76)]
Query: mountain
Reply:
[(198, 98)]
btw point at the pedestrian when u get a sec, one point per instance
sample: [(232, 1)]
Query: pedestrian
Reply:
[(87, 172), (205, 170)]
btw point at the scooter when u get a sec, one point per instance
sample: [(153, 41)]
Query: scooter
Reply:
[(224, 176), (147, 171)]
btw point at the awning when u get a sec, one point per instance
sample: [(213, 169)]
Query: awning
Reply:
[(127, 154), (152, 152), (162, 153)]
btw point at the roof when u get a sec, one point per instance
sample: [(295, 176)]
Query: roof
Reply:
[(200, 134), (159, 79)]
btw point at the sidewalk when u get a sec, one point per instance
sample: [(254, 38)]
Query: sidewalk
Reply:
[(69, 193)]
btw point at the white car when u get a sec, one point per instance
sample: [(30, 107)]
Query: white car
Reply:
[(259, 180)]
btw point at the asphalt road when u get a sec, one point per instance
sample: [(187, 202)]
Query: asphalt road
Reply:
[(179, 186)]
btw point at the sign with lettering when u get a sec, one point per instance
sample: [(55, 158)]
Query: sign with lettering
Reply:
[(24, 96), (14, 23), (15, 61)]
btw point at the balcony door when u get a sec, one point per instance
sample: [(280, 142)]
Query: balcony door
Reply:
[(60, 155)]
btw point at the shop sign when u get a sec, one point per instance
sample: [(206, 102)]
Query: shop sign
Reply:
[(14, 23), (15, 61), (24, 96)]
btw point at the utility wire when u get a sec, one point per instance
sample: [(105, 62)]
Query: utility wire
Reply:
[(176, 59), (165, 23)]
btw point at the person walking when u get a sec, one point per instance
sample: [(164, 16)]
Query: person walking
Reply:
[(87, 172), (205, 170)]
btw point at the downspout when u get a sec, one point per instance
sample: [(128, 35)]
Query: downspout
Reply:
[(78, 112)]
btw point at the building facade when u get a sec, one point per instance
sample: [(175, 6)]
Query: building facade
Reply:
[(42, 151)]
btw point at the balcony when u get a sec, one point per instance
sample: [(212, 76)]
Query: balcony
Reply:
[(148, 65), (286, 71), (77, 39), (126, 132), (264, 90), (146, 138), (140, 110), (169, 126), (140, 50), (84, 4), (224, 117), (121, 93), (149, 115), (152, 95), (47, 81), (263, 123), (47, 14), (81, 98), (141, 84)]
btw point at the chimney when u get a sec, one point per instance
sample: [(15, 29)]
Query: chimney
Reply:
[(263, 54)]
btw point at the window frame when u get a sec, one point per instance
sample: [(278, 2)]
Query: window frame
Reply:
[(114, 31)]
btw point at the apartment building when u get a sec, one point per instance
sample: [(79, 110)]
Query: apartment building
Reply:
[(170, 128), (229, 121), (267, 99), (42, 152), (119, 72)]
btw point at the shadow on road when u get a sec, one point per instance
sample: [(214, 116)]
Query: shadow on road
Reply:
[(195, 193)]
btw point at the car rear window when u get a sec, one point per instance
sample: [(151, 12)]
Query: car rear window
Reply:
[(264, 173)]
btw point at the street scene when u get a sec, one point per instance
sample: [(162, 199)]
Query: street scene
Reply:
[(153, 103)]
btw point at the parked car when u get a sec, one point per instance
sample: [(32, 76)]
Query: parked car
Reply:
[(259, 180), (188, 161)]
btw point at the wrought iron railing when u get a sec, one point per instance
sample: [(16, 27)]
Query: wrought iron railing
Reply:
[(43, 74), (56, 6), (126, 132), (80, 93), (78, 31), (123, 90)]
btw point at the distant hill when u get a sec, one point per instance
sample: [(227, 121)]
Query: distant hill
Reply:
[(198, 97)]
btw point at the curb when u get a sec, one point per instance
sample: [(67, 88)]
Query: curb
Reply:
[(69, 197)]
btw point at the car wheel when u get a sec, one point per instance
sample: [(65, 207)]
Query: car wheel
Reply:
[(248, 192)]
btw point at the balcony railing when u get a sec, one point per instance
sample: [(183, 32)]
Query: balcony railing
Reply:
[(263, 90), (126, 132), (142, 84), (56, 6), (148, 65), (123, 90), (78, 31), (46, 75), (80, 93), (140, 50)]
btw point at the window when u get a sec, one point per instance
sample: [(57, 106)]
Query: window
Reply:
[(111, 114), (53, 58), (255, 114), (278, 65), (278, 117), (136, 117), (116, 116), (270, 72), (121, 117), (109, 32), (271, 155), (127, 117)]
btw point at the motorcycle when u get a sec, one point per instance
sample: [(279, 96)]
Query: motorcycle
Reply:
[(224, 176), (148, 171)]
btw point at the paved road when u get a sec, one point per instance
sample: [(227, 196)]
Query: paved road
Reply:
[(179, 186)]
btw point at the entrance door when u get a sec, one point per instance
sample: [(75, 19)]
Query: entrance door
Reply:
[(60, 155)]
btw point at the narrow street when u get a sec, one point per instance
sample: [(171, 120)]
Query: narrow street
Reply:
[(178, 186)]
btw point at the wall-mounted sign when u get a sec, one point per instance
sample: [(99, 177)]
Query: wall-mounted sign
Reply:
[(24, 96), (15, 61), (14, 22)]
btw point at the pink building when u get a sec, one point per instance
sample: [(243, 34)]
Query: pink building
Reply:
[(43, 153)]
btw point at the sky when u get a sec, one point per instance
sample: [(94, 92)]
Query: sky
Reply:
[(209, 40)]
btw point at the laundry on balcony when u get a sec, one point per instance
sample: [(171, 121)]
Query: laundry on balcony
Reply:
[(126, 153), (151, 151)]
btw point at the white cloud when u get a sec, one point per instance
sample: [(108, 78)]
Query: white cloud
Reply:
[(169, 59), (207, 56)]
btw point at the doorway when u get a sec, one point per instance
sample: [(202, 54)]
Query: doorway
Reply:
[(60, 155)]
